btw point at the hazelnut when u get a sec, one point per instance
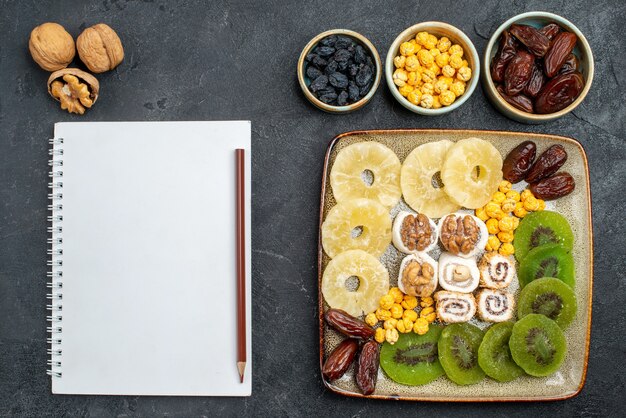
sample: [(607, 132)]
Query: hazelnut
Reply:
[(75, 89), (99, 48), (51, 46)]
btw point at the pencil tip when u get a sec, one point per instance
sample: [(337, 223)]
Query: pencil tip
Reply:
[(241, 366)]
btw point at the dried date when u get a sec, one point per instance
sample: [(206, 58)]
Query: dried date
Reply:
[(518, 162), (547, 163), (570, 64), (340, 359), (518, 72), (518, 101), (348, 325), (536, 82), (562, 46), (367, 368), (559, 92), (550, 30), (558, 185), (506, 51), (535, 41)]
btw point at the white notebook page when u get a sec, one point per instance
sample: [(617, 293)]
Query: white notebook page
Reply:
[(149, 281)]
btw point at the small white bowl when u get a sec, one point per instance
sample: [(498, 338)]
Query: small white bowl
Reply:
[(582, 50), (438, 29)]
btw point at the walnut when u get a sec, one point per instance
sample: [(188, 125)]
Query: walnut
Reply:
[(459, 234), (416, 278), (100, 48), (416, 232), (75, 89), (51, 46)]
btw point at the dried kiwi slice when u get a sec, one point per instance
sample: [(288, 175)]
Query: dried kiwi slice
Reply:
[(537, 345), (413, 359), (494, 355), (550, 297), (549, 260), (540, 228), (458, 353)]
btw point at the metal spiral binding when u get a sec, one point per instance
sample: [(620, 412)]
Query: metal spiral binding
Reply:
[(55, 261)]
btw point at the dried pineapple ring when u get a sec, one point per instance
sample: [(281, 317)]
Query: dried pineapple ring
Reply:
[(373, 282), (369, 215), (416, 179), (464, 186), (352, 162)]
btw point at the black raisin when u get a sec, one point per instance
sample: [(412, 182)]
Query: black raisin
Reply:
[(319, 83), (364, 76), (353, 91), (343, 65), (359, 55), (342, 55), (310, 56), (313, 72), (353, 69), (331, 67), (363, 90), (343, 42), (342, 98), (338, 80), (328, 96), (319, 62), (329, 40), (324, 51)]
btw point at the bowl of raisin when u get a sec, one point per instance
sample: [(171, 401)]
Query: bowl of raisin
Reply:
[(339, 71), (537, 67)]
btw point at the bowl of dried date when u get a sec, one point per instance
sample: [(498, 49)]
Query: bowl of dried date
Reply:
[(432, 68), (537, 67), (339, 71)]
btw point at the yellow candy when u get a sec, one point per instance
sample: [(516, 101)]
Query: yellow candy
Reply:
[(397, 294), (456, 49), (386, 302), (429, 76), (414, 78), (442, 59), (421, 37), (434, 68), (407, 48), (390, 323), (426, 302), (458, 88), (464, 73), (519, 210), (505, 237), (508, 205), (426, 311), (399, 61), (434, 52), (456, 61), (409, 302), (513, 195), (430, 42), (505, 186), (425, 58), (492, 208), (431, 317), (382, 314), (515, 222), (507, 249), (427, 88), (409, 314), (441, 86), (493, 243), (542, 204), (481, 214), (498, 197), (531, 204), (525, 194), (370, 319), (396, 311), (492, 226), (379, 336), (391, 335), (427, 101), (406, 89), (404, 326), (447, 70), (415, 97), (446, 97), (443, 44), (506, 224), (420, 326), (412, 63), (436, 102)]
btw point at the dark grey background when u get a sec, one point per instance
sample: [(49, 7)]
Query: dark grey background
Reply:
[(237, 60)]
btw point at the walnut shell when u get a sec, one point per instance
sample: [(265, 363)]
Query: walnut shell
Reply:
[(87, 78), (51, 46), (100, 48)]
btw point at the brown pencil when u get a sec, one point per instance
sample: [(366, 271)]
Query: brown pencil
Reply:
[(241, 263)]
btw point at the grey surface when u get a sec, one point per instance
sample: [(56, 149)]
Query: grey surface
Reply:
[(236, 60)]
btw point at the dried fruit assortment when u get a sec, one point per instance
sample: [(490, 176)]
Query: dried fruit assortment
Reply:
[(455, 270), (431, 72), (340, 70), (535, 70)]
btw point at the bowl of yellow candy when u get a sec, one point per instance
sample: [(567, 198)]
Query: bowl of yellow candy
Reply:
[(432, 68)]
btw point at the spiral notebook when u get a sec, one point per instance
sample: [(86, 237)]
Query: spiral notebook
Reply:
[(142, 255)]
